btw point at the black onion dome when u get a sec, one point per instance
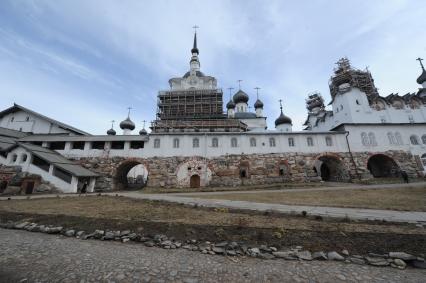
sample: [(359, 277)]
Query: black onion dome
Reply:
[(127, 124), (422, 78), (282, 119), (143, 132), (197, 73), (111, 132), (241, 96), (230, 104), (258, 104)]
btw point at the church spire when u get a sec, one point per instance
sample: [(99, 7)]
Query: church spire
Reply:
[(194, 47)]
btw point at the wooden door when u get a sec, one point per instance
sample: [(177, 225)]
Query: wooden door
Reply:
[(194, 182)]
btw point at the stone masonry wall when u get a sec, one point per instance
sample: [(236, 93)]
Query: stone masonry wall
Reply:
[(227, 170)]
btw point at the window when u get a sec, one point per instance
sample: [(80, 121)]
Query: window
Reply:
[(157, 143), (391, 138), (40, 163), (414, 140), (24, 158), (252, 142), (27, 118), (271, 142), (398, 138), (372, 139), (14, 158), (410, 118), (215, 142), (364, 139), (62, 174), (357, 102), (137, 144), (290, 142), (12, 119), (328, 141), (310, 141), (424, 139), (78, 145), (98, 145), (234, 142), (195, 142), (117, 145), (341, 107), (175, 143)]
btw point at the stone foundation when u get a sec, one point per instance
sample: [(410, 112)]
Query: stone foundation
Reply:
[(235, 170)]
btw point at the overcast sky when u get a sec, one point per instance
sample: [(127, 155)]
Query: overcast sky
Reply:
[(84, 62)]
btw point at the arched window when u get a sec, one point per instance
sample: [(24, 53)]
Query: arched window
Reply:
[(391, 138), (398, 138), (252, 142), (357, 102), (328, 141), (414, 140), (157, 143), (234, 142), (14, 158), (424, 139), (215, 142), (310, 141), (24, 157), (372, 139), (195, 143), (364, 139), (424, 159), (290, 142), (271, 142), (176, 143)]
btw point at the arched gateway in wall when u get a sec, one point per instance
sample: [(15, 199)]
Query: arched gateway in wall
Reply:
[(130, 174), (382, 166), (331, 168)]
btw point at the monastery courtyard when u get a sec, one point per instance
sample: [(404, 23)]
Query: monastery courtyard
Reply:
[(324, 218)]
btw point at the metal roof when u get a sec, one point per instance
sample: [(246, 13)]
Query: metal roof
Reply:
[(7, 143), (58, 160), (59, 138), (11, 133), (17, 107)]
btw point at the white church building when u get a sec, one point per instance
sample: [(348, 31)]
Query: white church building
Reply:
[(195, 142)]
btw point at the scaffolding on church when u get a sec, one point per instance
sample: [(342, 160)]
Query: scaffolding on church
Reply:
[(344, 73)]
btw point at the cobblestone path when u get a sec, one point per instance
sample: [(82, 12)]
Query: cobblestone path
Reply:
[(37, 257)]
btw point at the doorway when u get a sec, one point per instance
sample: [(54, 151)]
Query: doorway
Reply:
[(194, 182)]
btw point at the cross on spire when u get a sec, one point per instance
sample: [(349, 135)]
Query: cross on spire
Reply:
[(144, 121), (421, 64), (128, 113), (281, 105), (230, 92), (112, 124), (257, 92), (239, 84), (195, 28)]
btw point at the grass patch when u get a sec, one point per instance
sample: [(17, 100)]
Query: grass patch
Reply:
[(403, 199)]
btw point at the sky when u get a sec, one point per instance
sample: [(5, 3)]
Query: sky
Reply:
[(83, 62)]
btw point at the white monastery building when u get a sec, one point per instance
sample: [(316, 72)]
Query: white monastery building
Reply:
[(193, 142)]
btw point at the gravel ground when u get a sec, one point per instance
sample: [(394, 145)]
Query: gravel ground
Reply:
[(37, 257)]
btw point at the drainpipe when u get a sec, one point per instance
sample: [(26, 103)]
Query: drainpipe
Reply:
[(352, 157)]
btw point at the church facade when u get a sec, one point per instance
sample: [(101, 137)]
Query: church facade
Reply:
[(193, 142)]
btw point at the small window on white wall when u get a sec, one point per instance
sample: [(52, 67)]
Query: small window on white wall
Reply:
[(215, 142), (24, 157), (398, 138), (391, 138), (357, 102), (176, 143), (195, 142), (372, 139), (290, 142), (252, 142), (271, 142), (234, 142), (328, 141), (157, 143), (14, 157), (424, 139), (310, 141), (364, 139), (414, 140), (12, 119)]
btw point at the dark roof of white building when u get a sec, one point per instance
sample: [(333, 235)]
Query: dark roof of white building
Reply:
[(17, 107), (54, 158)]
